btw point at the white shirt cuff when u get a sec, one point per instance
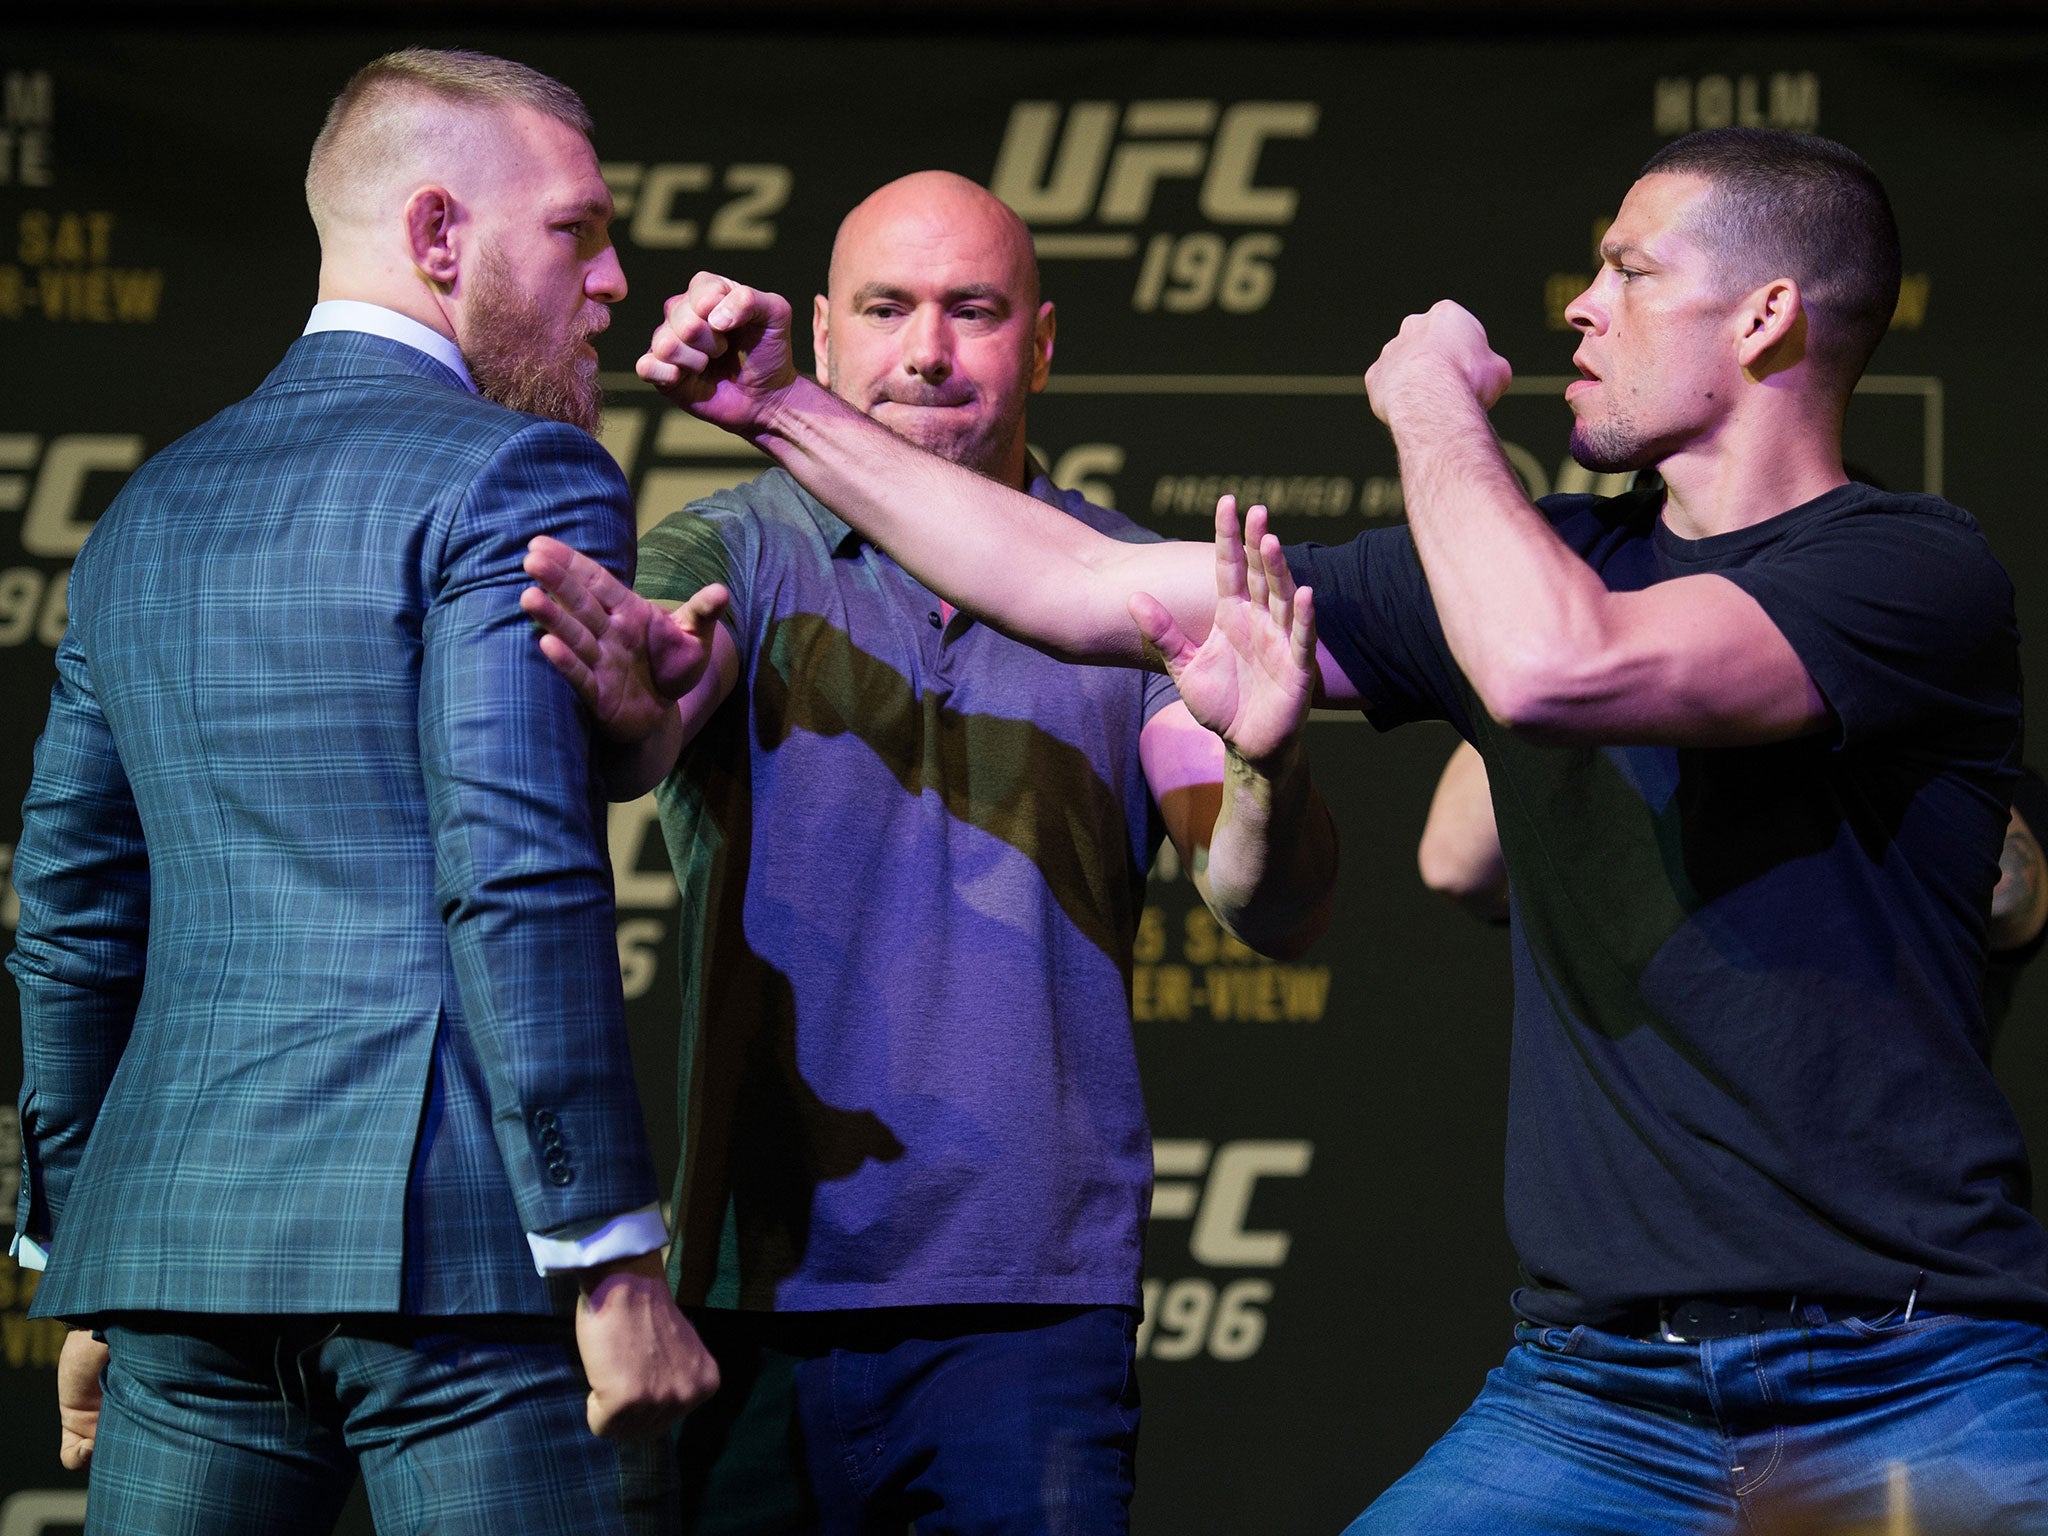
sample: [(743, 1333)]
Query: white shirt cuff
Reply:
[(623, 1237)]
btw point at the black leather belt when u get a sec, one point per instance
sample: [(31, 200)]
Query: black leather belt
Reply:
[(1690, 1321)]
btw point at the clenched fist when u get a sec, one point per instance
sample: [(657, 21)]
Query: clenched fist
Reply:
[(722, 353), (1447, 343)]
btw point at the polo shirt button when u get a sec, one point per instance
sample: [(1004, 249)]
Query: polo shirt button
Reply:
[(559, 1174), (937, 622)]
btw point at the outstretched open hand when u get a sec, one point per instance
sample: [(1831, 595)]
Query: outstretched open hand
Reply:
[(722, 353), (1253, 679), (628, 658)]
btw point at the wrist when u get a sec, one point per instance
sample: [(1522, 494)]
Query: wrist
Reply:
[(641, 1266), (783, 409), (1262, 772), (797, 419), (1421, 394)]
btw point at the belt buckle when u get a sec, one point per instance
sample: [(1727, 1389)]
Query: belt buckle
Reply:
[(1694, 1321)]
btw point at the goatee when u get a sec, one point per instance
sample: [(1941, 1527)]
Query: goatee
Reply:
[(519, 359), (1611, 450)]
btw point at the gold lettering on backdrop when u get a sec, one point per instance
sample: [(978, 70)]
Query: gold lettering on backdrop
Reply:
[(1559, 289), (31, 1341), (26, 1341), (1282, 495), (1196, 1315), (1060, 164), (1671, 106), (1912, 307), (1217, 977), (1787, 99), (28, 107), (62, 272), (1150, 945), (646, 199)]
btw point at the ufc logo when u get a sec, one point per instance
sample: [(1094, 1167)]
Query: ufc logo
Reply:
[(1111, 161), (54, 523)]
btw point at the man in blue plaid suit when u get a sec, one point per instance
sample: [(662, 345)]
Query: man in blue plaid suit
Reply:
[(325, 1064)]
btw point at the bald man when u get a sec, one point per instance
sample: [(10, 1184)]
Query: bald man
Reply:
[(325, 1066), (913, 854)]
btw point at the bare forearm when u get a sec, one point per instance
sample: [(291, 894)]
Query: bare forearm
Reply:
[(1552, 653), (1515, 603), (1006, 557), (629, 769), (1272, 870)]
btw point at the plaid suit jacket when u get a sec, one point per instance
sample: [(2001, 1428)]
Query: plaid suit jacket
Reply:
[(320, 988)]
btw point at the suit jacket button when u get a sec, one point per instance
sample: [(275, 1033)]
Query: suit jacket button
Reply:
[(559, 1174), (551, 1138), (544, 1119)]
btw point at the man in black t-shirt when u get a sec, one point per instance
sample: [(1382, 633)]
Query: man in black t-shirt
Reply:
[(1752, 742), (1459, 858)]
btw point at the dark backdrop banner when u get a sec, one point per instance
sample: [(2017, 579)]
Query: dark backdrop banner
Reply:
[(1230, 228)]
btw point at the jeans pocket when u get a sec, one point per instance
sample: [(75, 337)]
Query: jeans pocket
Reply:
[(1899, 1326)]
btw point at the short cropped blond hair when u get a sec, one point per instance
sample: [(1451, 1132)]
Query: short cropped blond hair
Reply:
[(376, 123)]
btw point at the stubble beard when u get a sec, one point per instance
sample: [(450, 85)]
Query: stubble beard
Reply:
[(519, 358), (1613, 447), (979, 446)]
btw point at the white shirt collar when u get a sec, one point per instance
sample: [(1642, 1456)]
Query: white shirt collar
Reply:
[(355, 315)]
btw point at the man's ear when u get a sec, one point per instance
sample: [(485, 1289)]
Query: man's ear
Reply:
[(1042, 328), (1773, 329), (821, 339), (431, 215)]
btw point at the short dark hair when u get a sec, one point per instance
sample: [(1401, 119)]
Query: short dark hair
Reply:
[(1799, 206)]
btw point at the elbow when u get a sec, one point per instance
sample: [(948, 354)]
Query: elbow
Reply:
[(1519, 691), (1283, 927), (1539, 693), (1288, 940), (1447, 869), (1475, 879)]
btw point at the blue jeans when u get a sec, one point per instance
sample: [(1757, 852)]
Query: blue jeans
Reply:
[(954, 1420), (1011, 1421), (1934, 1426)]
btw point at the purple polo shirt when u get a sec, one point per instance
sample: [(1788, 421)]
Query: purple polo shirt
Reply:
[(912, 856)]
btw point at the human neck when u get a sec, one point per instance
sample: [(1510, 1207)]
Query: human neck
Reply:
[(1752, 470), (1011, 466), (371, 282)]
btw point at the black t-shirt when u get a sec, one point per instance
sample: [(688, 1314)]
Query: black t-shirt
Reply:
[(1749, 1053)]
